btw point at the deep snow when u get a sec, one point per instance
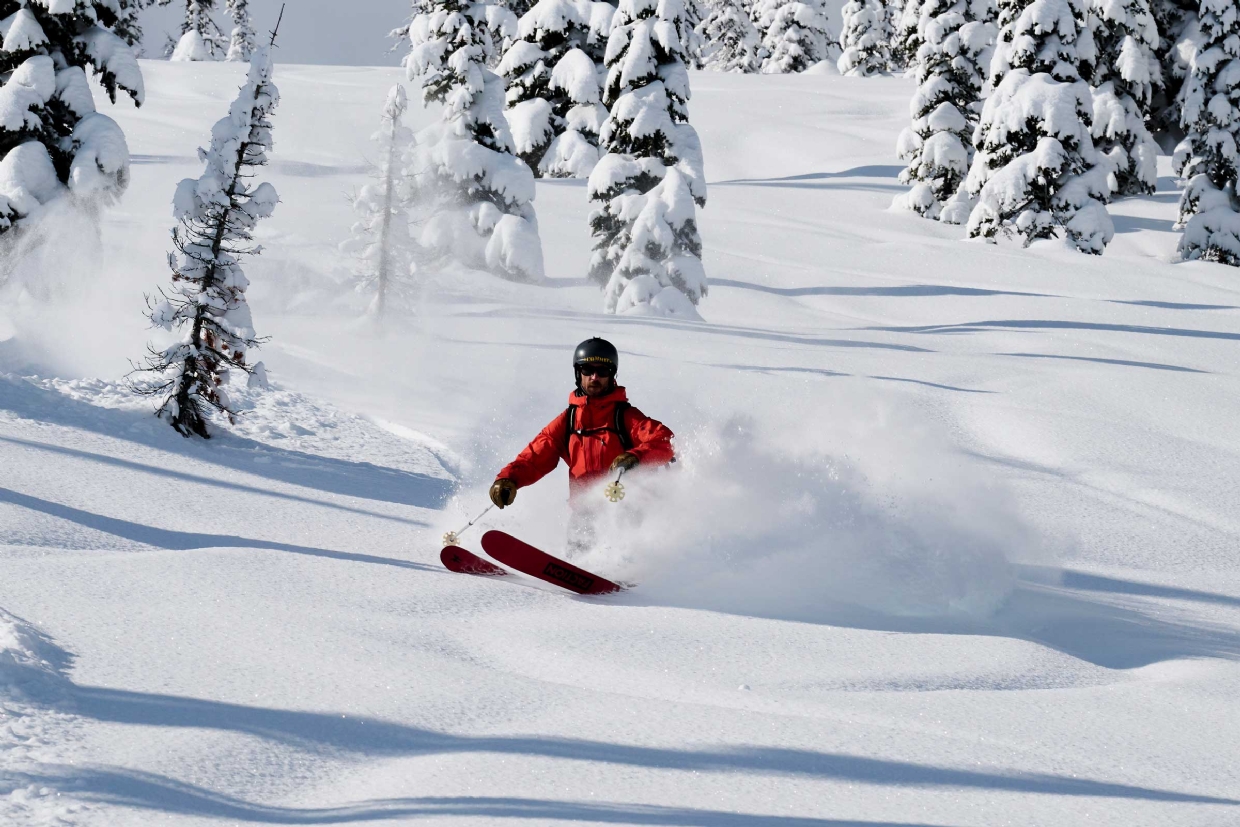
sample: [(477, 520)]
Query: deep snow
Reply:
[(952, 541)]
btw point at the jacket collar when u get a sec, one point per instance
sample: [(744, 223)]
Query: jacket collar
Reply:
[(580, 400)]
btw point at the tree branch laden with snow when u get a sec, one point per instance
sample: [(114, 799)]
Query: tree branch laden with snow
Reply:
[(52, 140), (554, 88)]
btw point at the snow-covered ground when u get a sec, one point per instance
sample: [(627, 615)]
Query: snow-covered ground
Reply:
[(953, 542)]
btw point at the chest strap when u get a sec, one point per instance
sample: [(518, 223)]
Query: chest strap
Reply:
[(617, 427)]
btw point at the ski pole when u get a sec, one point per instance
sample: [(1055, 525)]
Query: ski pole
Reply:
[(451, 538), (615, 491)]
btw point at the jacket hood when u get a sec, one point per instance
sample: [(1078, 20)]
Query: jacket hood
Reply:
[(580, 400)]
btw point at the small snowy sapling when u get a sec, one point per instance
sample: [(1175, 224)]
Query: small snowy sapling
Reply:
[(386, 252), (217, 213), (243, 41)]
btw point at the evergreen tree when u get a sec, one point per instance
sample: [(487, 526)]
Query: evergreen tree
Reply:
[(730, 40), (553, 85), (906, 36), (647, 252), (127, 27), (1124, 75), (217, 214), (1208, 157), (386, 251), (484, 213), (201, 38), (52, 140), (1178, 31), (957, 37), (865, 38), (795, 34), (1036, 170), (242, 43)]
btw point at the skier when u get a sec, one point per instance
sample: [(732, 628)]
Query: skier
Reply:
[(599, 433)]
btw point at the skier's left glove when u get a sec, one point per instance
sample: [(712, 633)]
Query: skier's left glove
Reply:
[(624, 462), (503, 492)]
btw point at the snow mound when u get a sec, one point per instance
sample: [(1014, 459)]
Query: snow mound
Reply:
[(31, 665), (32, 681)]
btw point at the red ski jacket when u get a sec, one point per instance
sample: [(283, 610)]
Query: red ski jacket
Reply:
[(589, 455)]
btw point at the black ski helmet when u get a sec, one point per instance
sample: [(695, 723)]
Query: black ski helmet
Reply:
[(595, 351)]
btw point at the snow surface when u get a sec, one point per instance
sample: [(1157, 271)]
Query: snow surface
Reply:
[(952, 542)]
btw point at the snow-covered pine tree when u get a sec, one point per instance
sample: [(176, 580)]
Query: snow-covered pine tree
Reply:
[(217, 213), (795, 34), (1208, 157), (127, 26), (1036, 170), (201, 38), (906, 37), (957, 37), (865, 38), (730, 40), (1124, 76), (243, 41), (647, 251), (554, 92), (1178, 33), (52, 140), (386, 251), (484, 213)]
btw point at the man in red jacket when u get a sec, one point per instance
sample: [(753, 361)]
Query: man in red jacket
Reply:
[(599, 433)]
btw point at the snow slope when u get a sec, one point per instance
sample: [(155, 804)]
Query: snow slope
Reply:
[(952, 542)]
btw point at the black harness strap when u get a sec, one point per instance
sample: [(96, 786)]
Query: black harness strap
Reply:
[(626, 439)]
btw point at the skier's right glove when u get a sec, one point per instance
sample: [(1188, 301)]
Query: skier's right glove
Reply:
[(503, 492)]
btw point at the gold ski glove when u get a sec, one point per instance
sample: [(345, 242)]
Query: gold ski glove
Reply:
[(503, 492), (626, 461)]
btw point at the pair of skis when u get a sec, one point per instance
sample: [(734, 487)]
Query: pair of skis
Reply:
[(526, 559)]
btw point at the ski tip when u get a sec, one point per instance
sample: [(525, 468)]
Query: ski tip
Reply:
[(457, 559)]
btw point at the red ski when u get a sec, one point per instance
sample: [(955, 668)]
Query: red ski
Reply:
[(455, 558), (525, 558)]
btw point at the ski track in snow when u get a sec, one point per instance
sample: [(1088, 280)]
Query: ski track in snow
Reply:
[(952, 541)]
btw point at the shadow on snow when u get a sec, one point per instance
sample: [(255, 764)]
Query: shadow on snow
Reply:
[(363, 480), (184, 540), (132, 788)]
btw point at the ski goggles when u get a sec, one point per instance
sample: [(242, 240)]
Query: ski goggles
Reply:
[(605, 371)]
